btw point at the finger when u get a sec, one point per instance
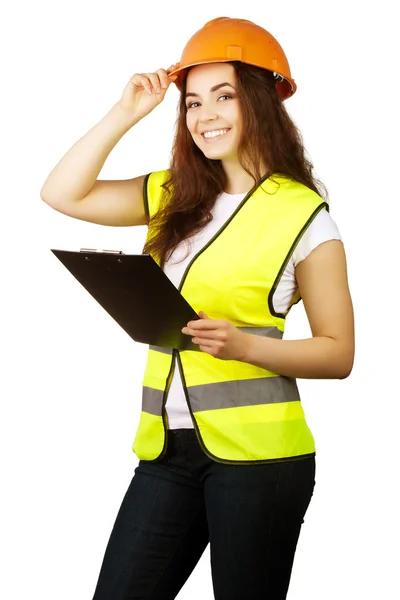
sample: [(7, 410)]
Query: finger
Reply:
[(209, 349), (205, 337), (141, 81), (172, 68), (204, 342), (175, 76), (163, 77), (155, 82), (201, 332), (208, 324)]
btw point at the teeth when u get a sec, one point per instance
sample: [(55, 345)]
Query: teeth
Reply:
[(214, 134)]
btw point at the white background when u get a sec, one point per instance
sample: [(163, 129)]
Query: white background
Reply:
[(71, 377)]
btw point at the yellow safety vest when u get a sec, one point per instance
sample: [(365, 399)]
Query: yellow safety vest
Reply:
[(241, 413)]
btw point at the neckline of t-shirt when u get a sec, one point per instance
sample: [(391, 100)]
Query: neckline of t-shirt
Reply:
[(233, 196)]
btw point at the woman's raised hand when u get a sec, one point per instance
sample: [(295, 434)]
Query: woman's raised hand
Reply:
[(144, 91)]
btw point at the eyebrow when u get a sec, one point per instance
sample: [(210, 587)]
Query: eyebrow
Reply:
[(213, 89)]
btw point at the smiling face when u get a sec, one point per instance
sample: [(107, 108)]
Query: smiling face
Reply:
[(213, 116)]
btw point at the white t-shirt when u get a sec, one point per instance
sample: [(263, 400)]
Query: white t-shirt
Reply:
[(321, 229)]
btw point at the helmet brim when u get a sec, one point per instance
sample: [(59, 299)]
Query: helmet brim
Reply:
[(285, 88)]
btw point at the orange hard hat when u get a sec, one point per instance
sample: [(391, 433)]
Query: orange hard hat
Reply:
[(225, 39)]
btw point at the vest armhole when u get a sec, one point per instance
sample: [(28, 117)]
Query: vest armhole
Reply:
[(146, 197), (153, 191), (297, 297)]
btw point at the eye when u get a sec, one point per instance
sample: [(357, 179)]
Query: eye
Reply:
[(224, 96), (192, 104)]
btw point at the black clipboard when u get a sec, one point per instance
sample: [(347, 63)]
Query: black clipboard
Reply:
[(135, 292)]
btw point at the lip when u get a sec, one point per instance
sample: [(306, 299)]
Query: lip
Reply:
[(211, 140)]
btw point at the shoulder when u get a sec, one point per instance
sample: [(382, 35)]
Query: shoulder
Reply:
[(154, 182), (294, 191), (295, 201), (321, 229), (157, 178), (153, 190), (323, 224)]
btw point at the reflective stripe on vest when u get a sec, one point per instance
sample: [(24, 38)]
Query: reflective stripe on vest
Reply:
[(241, 412)]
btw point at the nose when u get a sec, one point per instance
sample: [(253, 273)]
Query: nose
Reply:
[(208, 113), (209, 116)]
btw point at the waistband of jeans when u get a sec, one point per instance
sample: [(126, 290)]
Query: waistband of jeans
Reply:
[(189, 432)]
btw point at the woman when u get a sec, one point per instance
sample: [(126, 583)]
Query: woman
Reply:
[(239, 226)]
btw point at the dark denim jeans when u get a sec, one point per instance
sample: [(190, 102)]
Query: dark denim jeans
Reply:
[(250, 514)]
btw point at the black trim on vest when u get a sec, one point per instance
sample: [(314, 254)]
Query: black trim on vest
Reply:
[(163, 409), (285, 262), (146, 196), (297, 301)]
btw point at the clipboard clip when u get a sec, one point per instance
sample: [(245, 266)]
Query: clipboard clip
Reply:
[(99, 250)]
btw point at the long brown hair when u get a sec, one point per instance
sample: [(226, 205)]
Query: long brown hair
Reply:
[(272, 138)]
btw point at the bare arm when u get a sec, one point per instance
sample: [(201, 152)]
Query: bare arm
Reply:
[(329, 354), (74, 175), (72, 186), (82, 195)]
